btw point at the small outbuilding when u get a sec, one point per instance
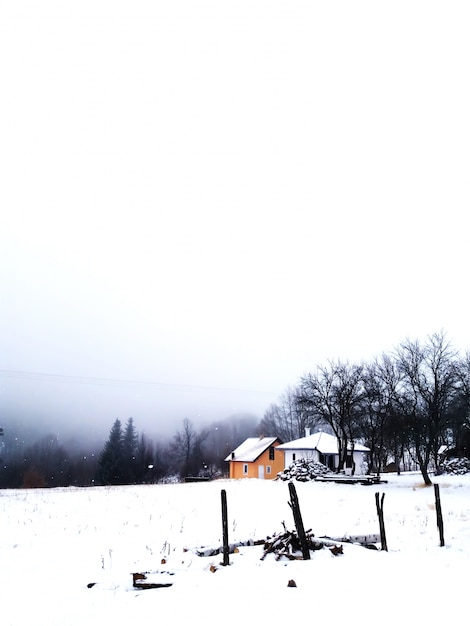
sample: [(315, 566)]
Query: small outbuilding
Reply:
[(323, 448), (256, 457)]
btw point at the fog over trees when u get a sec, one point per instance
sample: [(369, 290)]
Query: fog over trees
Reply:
[(405, 406), (126, 457)]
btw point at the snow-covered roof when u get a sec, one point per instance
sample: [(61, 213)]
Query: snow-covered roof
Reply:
[(323, 442), (251, 449)]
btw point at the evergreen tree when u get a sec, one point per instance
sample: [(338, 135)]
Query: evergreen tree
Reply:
[(110, 464), (130, 442)]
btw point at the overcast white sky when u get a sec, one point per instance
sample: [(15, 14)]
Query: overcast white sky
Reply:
[(215, 197)]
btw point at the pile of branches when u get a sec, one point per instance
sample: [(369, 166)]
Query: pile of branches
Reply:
[(303, 470), (287, 545), (455, 466)]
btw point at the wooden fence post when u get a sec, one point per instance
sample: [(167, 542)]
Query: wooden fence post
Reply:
[(225, 546), (294, 502), (440, 522), (380, 513)]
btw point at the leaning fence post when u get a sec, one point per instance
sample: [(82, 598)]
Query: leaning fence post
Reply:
[(294, 502), (380, 513), (440, 522), (225, 546)]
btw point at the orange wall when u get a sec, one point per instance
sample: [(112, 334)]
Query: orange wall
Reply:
[(236, 467)]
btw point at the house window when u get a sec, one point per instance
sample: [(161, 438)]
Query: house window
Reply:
[(271, 453), (245, 468), (293, 456), (268, 469)]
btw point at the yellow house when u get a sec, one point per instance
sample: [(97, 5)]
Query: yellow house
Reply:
[(256, 457)]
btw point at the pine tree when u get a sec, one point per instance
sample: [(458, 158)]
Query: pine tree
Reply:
[(129, 452), (110, 464)]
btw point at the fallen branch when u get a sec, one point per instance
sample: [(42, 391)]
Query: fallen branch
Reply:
[(214, 550), (287, 544)]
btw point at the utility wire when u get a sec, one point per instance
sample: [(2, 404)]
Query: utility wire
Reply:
[(90, 380)]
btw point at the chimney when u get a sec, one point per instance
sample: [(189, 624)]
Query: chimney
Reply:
[(307, 431)]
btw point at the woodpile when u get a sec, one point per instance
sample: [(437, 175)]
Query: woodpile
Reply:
[(287, 545), (455, 466), (303, 470)]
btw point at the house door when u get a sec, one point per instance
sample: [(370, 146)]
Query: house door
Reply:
[(260, 471)]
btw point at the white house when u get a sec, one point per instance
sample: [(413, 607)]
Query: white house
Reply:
[(323, 448)]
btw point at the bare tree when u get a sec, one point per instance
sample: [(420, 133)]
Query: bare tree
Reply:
[(429, 384), (288, 419), (461, 407), (50, 460), (186, 448), (380, 421), (224, 436), (144, 457), (334, 394)]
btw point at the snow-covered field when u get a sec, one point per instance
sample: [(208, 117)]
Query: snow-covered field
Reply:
[(55, 542)]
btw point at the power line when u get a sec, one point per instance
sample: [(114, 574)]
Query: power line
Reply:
[(90, 380)]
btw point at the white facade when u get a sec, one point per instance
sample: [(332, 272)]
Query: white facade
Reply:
[(323, 448)]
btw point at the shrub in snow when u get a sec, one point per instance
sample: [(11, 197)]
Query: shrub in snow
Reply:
[(303, 470), (455, 466)]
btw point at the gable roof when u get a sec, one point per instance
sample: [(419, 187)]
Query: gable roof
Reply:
[(323, 442), (251, 449)]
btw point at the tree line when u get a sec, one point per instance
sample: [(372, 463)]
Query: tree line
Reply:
[(406, 405), (127, 456), (412, 403)]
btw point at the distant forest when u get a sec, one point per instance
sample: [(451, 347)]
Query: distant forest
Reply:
[(411, 406), (127, 457)]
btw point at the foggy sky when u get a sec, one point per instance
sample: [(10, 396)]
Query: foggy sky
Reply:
[(201, 201)]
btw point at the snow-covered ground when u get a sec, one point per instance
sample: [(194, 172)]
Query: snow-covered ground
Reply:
[(55, 542)]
